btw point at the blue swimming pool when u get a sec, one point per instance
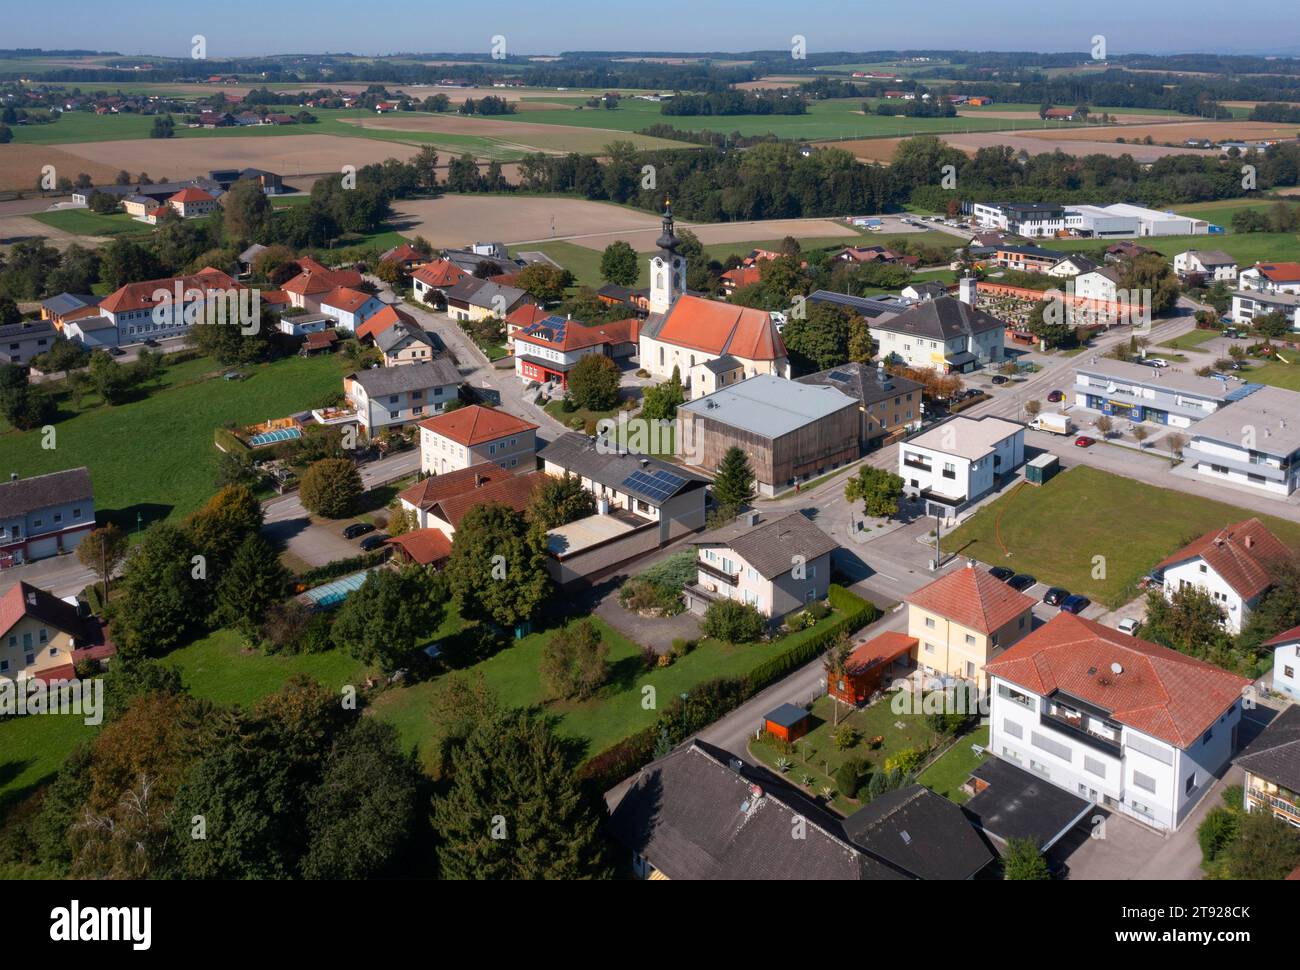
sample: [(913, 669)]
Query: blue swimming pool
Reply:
[(271, 437), (336, 591)]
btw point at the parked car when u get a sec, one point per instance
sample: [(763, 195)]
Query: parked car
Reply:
[(371, 543), (1156, 361), (1000, 379), (1055, 397), (150, 342), (1083, 441), (1021, 582), (1129, 625), (1075, 604), (357, 529), (117, 351), (1056, 596), (1001, 573)]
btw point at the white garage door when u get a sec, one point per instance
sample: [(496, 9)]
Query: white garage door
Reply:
[(41, 548)]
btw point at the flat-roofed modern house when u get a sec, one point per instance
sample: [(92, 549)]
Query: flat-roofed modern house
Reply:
[(1254, 442), (946, 333), (790, 431), (94, 332), (44, 515), (1271, 764), (887, 405), (473, 435), (1118, 721), (1286, 662), (1235, 565), (960, 461), (777, 565), (20, 342), (1161, 395), (1029, 219), (1026, 259), (389, 397)]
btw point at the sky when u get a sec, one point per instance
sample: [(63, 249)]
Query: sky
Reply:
[(251, 27)]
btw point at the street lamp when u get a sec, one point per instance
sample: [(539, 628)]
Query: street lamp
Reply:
[(139, 521)]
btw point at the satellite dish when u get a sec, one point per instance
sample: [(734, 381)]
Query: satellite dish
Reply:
[(1116, 668)]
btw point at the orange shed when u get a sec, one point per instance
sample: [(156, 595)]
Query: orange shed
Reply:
[(867, 665), (787, 722)]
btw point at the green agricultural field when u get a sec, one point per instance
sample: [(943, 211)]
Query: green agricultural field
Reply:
[(1054, 532), (83, 222), (155, 455), (1221, 211), (1245, 248)]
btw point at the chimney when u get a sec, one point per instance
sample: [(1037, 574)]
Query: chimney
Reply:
[(645, 462), (1249, 542), (602, 505), (966, 293), (479, 480), (751, 517), (31, 598)]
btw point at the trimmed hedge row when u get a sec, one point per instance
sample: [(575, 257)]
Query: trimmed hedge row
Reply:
[(337, 568), (710, 700)]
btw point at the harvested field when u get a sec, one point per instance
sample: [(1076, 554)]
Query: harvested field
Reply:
[(712, 234), (521, 135), (20, 165), (869, 149), (1178, 131), (187, 157)]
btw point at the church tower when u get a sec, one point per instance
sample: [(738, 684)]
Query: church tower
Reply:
[(667, 268)]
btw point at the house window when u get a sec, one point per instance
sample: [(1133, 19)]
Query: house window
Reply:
[(1093, 766), (1007, 693), (44, 635), (929, 623), (970, 639), (30, 659), (1288, 671), (1145, 782), (1208, 736), (929, 648), (1191, 784), (4, 665)]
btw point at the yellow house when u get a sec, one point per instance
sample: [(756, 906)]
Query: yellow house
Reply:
[(38, 633), (965, 619)]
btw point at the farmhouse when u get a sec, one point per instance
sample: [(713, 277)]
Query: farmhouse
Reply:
[(1235, 565), (192, 202), (473, 435), (790, 431), (947, 333), (390, 397), (777, 565), (1121, 722), (44, 515)]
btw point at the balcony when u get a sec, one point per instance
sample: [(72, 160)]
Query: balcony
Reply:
[(721, 575), (1074, 726), (919, 465), (1288, 806)]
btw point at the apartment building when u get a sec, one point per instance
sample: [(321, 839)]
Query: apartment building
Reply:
[(390, 397), (946, 333), (473, 435), (1253, 443), (1271, 764), (960, 461)]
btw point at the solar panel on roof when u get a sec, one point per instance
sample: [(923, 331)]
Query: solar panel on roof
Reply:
[(839, 375), (659, 486)]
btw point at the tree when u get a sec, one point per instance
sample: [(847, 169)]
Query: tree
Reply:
[(102, 551), (1033, 408), (1278, 610), (818, 341), (330, 487), (1149, 272), (733, 485), (9, 312), (877, 488), (1104, 424), (545, 282), (246, 212), (161, 598), (249, 586), (1273, 325), (1189, 621), (1022, 860), (861, 346), (1175, 442), (559, 501), (382, 622), (1140, 434), (362, 814), (1264, 848), (575, 661), (497, 568), (593, 383), (223, 522), (514, 809), (733, 622), (619, 264), (660, 402)]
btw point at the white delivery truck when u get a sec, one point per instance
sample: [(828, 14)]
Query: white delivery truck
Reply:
[(1052, 422)]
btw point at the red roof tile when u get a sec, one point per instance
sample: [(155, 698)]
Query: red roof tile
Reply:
[(516, 491), (428, 547), (878, 650), (27, 600), (973, 598), (1243, 554), (427, 493), (383, 319), (721, 328), (568, 335), (191, 194), (440, 274), (526, 314), (1157, 691), (476, 424), (346, 299), (1279, 272), (140, 296), (1289, 636)]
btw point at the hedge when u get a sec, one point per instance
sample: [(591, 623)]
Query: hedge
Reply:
[(607, 768), (337, 568), (969, 402)]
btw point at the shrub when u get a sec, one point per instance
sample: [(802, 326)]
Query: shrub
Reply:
[(846, 736), (682, 646), (818, 611), (906, 761), (733, 622), (575, 662), (850, 775), (330, 487), (1215, 833)]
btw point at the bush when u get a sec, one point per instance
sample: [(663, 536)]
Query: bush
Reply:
[(850, 776), (846, 736), (330, 487), (733, 622), (1216, 832), (818, 611), (682, 646), (575, 661), (906, 761)]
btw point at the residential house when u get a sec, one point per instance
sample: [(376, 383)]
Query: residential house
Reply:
[(43, 636), (1248, 305), (958, 462), (20, 342), (472, 435), (963, 620), (888, 406), (791, 431), (547, 350), (422, 497), (192, 202), (1253, 443), (920, 833), (1118, 721), (350, 308), (1235, 565), (150, 309), (423, 547), (919, 292), (1099, 285), (406, 343), (1271, 764), (1286, 663), (523, 316), (475, 299), (1026, 259), (315, 282), (1161, 395), (295, 324), (390, 397), (436, 278), (636, 300), (777, 565), (405, 256), (1071, 266), (69, 306), (947, 333), (513, 491), (1207, 265), (1271, 278), (739, 278), (44, 515)]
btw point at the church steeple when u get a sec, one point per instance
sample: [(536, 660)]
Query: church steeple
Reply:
[(667, 267)]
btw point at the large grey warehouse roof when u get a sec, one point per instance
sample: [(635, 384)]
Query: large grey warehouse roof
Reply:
[(770, 406)]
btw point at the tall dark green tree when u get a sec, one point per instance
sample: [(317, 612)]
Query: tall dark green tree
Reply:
[(619, 264), (382, 621), (162, 595), (733, 485), (249, 585), (497, 569)]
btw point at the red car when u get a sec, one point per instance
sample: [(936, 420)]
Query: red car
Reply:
[(1083, 441), (1056, 396)]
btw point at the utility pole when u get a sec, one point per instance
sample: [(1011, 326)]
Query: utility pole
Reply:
[(938, 533)]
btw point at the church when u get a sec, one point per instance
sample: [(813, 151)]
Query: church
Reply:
[(713, 344)]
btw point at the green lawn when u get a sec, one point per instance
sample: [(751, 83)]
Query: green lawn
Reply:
[(1277, 373), (1246, 248), (816, 755), (83, 222), (1055, 531), (1192, 340), (34, 747), (946, 776), (155, 455)]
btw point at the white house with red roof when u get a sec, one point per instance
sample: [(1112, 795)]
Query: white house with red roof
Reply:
[(436, 278), (474, 435), (1131, 725), (192, 202), (683, 331), (1286, 663), (1271, 278), (351, 308), (151, 308), (315, 281), (1235, 565), (548, 349)]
